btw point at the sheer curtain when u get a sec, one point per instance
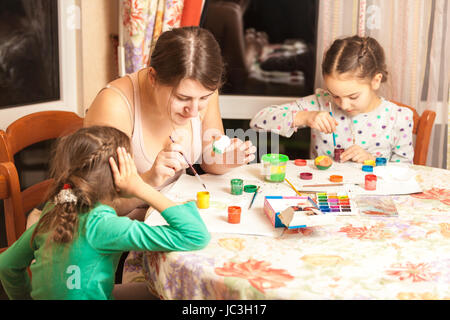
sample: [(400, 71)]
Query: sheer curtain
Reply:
[(415, 36)]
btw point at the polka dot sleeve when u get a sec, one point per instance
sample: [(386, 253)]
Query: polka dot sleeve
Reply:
[(402, 148), (279, 119)]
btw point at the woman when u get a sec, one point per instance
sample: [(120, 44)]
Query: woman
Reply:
[(175, 96)]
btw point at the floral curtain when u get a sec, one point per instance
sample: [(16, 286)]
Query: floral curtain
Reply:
[(415, 36), (142, 21)]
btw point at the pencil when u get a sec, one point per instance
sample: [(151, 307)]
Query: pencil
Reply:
[(192, 168), (285, 179), (253, 199)]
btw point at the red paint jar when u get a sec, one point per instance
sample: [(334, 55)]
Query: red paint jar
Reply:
[(234, 214), (337, 154), (370, 182)]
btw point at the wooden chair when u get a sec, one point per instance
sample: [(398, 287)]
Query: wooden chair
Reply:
[(423, 125), (10, 194), (26, 131)]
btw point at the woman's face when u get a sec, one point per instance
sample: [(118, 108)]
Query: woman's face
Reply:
[(185, 101), (352, 94)]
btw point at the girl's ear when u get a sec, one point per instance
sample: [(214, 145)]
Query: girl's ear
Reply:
[(376, 81)]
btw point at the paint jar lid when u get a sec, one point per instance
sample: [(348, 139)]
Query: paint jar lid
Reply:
[(367, 168), (380, 161), (306, 175), (369, 162), (250, 188), (275, 158), (300, 162), (336, 178)]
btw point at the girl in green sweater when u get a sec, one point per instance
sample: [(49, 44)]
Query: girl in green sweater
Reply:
[(77, 242)]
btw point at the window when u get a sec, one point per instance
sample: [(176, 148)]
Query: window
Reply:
[(269, 50), (29, 52)]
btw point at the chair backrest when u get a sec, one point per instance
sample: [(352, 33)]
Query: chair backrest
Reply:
[(10, 194), (423, 124), (26, 131)]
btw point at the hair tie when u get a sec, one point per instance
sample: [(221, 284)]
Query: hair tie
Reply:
[(66, 195)]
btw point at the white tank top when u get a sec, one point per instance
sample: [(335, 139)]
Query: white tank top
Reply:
[(144, 161)]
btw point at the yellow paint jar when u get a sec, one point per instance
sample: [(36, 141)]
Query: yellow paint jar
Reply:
[(203, 200)]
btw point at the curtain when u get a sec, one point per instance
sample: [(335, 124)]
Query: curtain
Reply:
[(141, 23), (415, 36)]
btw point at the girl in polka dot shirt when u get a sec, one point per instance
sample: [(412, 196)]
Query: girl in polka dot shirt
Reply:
[(365, 125)]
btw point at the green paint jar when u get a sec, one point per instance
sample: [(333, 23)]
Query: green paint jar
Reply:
[(237, 186), (274, 166)]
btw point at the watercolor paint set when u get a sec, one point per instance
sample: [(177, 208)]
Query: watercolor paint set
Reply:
[(295, 212), (338, 203)]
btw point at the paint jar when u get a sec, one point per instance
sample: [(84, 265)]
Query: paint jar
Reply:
[(203, 200), (237, 186), (274, 166), (234, 214), (337, 154), (367, 168), (370, 182), (220, 145), (369, 163)]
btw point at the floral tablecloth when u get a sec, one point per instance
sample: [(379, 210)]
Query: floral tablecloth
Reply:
[(358, 257)]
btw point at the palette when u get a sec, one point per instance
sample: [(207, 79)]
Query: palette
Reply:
[(338, 203)]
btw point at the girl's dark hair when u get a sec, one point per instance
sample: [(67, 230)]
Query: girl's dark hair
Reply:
[(188, 53), (82, 161), (362, 56)]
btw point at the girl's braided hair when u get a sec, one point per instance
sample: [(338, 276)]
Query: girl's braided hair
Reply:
[(361, 56), (80, 160)]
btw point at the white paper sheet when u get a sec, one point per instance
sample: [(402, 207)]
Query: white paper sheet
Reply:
[(393, 179)]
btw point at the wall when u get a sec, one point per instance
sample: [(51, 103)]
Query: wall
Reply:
[(99, 20)]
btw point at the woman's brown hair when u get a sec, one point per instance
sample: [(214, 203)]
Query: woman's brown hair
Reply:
[(80, 160), (361, 56), (188, 53)]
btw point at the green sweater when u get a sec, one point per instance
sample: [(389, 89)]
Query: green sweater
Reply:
[(85, 268)]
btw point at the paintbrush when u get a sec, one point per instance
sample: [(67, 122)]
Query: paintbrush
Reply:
[(334, 135), (322, 185), (253, 199), (192, 168)]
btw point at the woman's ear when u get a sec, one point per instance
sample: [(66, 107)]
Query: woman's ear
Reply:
[(152, 76), (376, 81)]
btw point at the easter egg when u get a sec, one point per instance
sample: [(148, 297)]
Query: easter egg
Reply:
[(323, 162)]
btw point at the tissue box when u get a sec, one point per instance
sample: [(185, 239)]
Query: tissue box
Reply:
[(295, 212)]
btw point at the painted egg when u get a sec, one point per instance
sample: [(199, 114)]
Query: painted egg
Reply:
[(323, 162)]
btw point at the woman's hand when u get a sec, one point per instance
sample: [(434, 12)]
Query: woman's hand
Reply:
[(239, 152), (126, 177), (322, 121), (357, 154), (168, 162)]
